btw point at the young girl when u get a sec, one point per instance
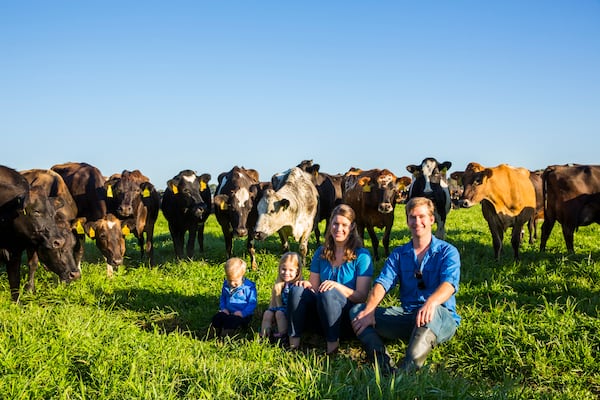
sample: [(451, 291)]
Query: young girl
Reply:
[(290, 271)]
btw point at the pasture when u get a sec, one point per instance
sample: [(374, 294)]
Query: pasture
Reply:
[(530, 330)]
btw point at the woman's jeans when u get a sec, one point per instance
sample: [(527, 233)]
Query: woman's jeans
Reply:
[(322, 312), (394, 323)]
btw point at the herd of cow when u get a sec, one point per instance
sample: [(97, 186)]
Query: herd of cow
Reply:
[(49, 213)]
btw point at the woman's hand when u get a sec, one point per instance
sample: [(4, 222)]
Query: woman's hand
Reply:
[(328, 285)]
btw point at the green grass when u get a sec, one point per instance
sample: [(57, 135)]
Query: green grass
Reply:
[(530, 330)]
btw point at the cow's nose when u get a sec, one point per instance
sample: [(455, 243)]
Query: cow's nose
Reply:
[(125, 210), (385, 208), (58, 243), (260, 235), (74, 275), (241, 232)]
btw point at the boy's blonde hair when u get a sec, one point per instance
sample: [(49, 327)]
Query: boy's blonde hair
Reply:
[(235, 266)]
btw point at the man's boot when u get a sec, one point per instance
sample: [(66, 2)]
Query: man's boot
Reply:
[(422, 341)]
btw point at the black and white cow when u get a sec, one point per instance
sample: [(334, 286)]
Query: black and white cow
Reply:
[(235, 204), (429, 180), (186, 205), (329, 188), (290, 209)]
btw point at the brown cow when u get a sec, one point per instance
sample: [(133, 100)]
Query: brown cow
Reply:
[(134, 200), (372, 194), (86, 184), (59, 260), (536, 179), (507, 198), (572, 197)]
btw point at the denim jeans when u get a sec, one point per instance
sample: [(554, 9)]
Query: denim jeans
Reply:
[(323, 312), (394, 323)]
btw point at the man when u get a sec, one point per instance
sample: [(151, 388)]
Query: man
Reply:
[(428, 272)]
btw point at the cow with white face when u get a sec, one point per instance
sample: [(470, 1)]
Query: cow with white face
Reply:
[(291, 209), (429, 180), (235, 207)]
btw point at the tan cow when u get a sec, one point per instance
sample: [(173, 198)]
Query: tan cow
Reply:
[(507, 198)]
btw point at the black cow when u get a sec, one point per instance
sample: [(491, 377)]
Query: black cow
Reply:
[(429, 180), (186, 204), (135, 201), (27, 220), (329, 188), (86, 185), (236, 199)]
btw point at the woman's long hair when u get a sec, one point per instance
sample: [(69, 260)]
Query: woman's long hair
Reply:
[(354, 240)]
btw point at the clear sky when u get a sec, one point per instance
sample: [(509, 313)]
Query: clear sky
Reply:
[(163, 86)]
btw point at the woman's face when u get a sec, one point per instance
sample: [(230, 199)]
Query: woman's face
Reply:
[(340, 228)]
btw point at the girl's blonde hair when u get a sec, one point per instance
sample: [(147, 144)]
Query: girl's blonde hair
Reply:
[(295, 259)]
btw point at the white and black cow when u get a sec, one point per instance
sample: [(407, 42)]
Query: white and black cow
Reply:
[(429, 180), (235, 204), (329, 188), (290, 209), (186, 205)]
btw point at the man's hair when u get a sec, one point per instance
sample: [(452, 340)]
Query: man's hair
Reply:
[(420, 201)]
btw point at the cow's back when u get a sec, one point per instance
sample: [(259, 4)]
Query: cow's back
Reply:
[(86, 184)]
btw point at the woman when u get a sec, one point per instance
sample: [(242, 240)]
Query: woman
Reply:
[(340, 277)]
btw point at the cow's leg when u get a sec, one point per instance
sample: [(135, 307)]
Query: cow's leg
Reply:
[(78, 249), (285, 244), (374, 241), (14, 274), (386, 240), (178, 237), (547, 226), (201, 237), (189, 248), (228, 236), (32, 262), (516, 239), (497, 231), (251, 252), (568, 234)]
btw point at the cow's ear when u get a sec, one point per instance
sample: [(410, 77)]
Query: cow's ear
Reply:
[(445, 166), (90, 229), (220, 201), (58, 202), (77, 226), (284, 203), (412, 168), (364, 182), (147, 189)]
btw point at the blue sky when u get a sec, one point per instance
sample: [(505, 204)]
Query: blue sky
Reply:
[(165, 86)]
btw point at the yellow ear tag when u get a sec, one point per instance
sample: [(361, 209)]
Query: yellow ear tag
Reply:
[(223, 206), (109, 191), (366, 188), (174, 189), (125, 230), (79, 228), (146, 193), (92, 233), (202, 186)]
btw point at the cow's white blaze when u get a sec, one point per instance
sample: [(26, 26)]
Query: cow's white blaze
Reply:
[(242, 196), (222, 185), (190, 178)]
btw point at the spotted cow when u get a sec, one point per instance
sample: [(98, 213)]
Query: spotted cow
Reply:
[(290, 208), (429, 180)]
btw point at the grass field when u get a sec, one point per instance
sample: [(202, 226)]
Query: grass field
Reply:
[(530, 330)]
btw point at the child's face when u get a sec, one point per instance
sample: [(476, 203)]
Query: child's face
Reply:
[(235, 279), (288, 271)]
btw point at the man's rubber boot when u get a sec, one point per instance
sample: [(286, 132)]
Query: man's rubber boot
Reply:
[(422, 341)]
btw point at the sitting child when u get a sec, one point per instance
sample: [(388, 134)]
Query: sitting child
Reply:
[(290, 271), (237, 302)]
